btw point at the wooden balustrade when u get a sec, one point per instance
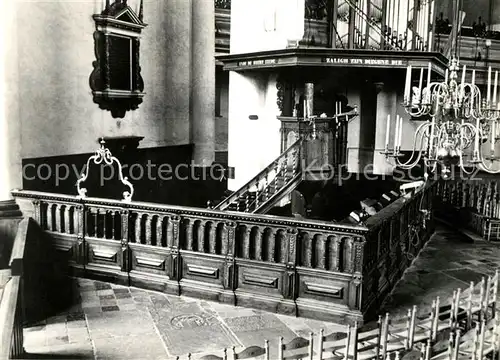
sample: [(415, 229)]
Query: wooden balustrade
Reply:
[(397, 234), (304, 267), (478, 201), (11, 298)]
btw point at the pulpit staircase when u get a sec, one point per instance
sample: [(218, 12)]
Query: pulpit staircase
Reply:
[(268, 187)]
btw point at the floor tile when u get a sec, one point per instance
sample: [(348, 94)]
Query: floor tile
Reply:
[(114, 324), (145, 346), (82, 351), (181, 323)]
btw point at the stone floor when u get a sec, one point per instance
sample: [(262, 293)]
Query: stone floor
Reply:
[(115, 322)]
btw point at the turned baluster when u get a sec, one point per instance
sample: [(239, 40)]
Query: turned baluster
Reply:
[(320, 251), (76, 220), (95, 215), (224, 239), (272, 234), (258, 244), (104, 232), (266, 188), (256, 195), (307, 250), (201, 236), (159, 230), (67, 219), (246, 242), (247, 201), (212, 237), (58, 217), (189, 235), (49, 217), (277, 169), (113, 225), (147, 231), (138, 220), (169, 235), (294, 161)]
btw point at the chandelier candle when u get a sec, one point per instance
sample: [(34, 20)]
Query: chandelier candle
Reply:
[(473, 83), (462, 90), (488, 94), (493, 135), (407, 85), (420, 81), (396, 132), (428, 98), (495, 89)]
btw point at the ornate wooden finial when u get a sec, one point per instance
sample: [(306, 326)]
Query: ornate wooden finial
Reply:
[(141, 10)]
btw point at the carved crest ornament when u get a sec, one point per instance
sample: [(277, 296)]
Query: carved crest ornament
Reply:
[(116, 80), (104, 156)]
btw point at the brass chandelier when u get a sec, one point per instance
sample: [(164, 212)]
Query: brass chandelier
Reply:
[(458, 119)]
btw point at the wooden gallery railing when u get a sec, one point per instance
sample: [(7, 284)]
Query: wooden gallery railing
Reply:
[(299, 267), (11, 299), (396, 235), (479, 201)]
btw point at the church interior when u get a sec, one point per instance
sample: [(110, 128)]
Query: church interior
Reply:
[(235, 179)]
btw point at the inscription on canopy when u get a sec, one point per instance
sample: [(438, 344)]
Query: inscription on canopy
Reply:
[(258, 62), (358, 61)]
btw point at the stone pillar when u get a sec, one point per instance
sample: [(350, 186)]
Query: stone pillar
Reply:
[(10, 126), (203, 82)]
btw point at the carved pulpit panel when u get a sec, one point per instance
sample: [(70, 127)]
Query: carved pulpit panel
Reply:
[(116, 81)]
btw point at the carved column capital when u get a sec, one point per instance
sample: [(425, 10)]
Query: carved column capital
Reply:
[(379, 86)]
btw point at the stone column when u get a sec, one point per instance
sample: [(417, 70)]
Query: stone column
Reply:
[(203, 82), (10, 126)]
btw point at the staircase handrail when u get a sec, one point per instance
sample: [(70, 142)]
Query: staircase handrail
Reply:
[(222, 205)]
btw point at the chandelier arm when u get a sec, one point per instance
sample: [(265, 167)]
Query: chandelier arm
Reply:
[(409, 165), (482, 164), (462, 165), (410, 161), (469, 139)]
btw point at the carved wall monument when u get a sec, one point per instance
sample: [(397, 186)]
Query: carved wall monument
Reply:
[(116, 80)]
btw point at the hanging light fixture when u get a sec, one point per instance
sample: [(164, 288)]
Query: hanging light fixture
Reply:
[(458, 119)]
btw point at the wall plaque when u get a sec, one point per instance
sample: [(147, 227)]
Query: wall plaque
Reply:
[(116, 80)]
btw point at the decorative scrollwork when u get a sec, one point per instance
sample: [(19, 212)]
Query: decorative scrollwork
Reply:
[(280, 87), (103, 155), (223, 4)]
